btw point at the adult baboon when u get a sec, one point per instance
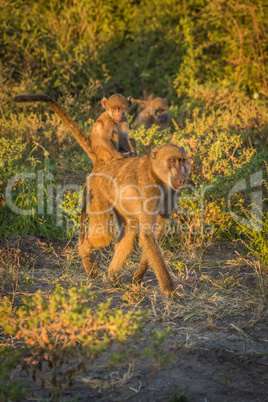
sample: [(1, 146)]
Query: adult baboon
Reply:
[(153, 110), (141, 192), (109, 134)]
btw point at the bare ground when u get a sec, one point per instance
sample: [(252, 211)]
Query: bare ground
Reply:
[(219, 338)]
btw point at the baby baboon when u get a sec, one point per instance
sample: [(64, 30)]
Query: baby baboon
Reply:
[(109, 135), (153, 111), (141, 192)]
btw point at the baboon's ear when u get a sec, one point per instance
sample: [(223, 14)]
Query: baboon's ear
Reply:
[(154, 153), (165, 101), (130, 101), (183, 150), (103, 102)]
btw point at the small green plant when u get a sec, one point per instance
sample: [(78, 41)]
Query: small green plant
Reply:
[(9, 390), (70, 208), (178, 397), (147, 139), (69, 330), (257, 241), (256, 235)]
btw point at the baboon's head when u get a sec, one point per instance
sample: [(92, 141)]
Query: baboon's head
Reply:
[(153, 110), (116, 106), (171, 165), (160, 110)]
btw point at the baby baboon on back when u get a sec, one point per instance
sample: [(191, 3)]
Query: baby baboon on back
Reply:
[(109, 135), (153, 110)]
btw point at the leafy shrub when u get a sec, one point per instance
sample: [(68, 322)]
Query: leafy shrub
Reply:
[(37, 123), (9, 390), (67, 331), (223, 41), (25, 190), (221, 108), (71, 208), (30, 200), (257, 234), (147, 139), (73, 45), (257, 241)]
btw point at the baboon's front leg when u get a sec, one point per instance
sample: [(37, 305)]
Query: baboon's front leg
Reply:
[(153, 254)]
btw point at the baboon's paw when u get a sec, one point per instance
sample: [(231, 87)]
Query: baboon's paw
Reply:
[(168, 291), (137, 278), (115, 282), (91, 269)]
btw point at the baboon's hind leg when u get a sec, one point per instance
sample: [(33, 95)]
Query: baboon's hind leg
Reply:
[(90, 242), (99, 233)]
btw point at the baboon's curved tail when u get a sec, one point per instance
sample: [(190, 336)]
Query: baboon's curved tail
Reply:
[(79, 135)]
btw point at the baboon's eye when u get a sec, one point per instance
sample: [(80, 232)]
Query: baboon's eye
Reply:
[(172, 160)]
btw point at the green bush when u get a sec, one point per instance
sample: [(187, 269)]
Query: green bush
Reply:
[(30, 200), (223, 41), (256, 234), (64, 47), (257, 240), (68, 330), (9, 390), (25, 191)]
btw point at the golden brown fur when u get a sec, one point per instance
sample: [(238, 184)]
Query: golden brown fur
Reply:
[(109, 134), (140, 192)]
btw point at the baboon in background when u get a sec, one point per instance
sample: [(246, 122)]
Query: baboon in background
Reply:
[(141, 192), (109, 134), (153, 110)]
